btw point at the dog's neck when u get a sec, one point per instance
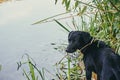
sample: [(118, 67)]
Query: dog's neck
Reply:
[(87, 45)]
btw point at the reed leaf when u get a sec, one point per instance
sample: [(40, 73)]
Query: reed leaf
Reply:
[(63, 1), (31, 70), (83, 10), (68, 4), (42, 21), (26, 74), (76, 4), (56, 1), (69, 60), (62, 26), (41, 73)]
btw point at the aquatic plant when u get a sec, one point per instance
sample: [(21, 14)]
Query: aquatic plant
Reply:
[(30, 74)]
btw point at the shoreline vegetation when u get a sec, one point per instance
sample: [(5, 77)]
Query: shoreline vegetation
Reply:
[(99, 17)]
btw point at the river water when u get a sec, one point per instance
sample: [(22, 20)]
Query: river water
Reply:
[(18, 36)]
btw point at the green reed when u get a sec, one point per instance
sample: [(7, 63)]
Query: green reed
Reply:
[(31, 75)]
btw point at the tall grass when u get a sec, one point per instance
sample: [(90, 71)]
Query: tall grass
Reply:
[(65, 70), (34, 73), (99, 17)]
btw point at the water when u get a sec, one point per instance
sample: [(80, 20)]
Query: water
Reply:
[(18, 36)]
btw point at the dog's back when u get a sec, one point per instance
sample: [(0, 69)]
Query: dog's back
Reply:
[(101, 59)]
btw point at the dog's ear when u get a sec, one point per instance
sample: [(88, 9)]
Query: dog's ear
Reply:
[(70, 34), (86, 37)]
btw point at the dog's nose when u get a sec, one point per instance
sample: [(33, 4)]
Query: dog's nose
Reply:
[(66, 50)]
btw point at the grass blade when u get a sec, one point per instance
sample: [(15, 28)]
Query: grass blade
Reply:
[(62, 26), (69, 68), (31, 70), (26, 75), (41, 21), (40, 72)]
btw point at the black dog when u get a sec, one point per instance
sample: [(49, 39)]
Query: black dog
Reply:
[(98, 57)]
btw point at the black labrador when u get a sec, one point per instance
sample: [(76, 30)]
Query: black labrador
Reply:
[(98, 57)]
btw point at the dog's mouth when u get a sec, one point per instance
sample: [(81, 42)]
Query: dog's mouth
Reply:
[(71, 50)]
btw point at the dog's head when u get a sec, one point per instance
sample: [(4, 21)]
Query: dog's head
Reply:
[(77, 40)]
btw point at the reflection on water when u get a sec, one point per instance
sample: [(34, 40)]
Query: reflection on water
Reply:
[(17, 36)]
